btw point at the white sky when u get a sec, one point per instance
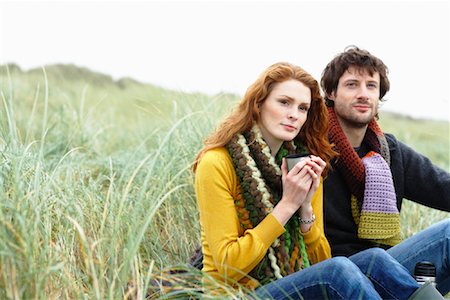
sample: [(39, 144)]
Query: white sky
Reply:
[(212, 46)]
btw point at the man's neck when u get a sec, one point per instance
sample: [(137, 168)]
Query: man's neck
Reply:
[(355, 135)]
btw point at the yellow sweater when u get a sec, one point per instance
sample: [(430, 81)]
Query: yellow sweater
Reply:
[(230, 252)]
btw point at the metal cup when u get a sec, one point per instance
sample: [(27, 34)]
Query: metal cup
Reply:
[(293, 159)]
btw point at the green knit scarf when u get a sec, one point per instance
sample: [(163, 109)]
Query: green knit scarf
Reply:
[(259, 175)]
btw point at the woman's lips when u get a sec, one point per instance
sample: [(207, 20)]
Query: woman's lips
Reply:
[(289, 127)]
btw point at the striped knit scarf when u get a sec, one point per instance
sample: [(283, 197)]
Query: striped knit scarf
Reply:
[(260, 181), (373, 200)]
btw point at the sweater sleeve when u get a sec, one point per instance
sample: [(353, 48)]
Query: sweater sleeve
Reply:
[(317, 245), (416, 178), (234, 252)]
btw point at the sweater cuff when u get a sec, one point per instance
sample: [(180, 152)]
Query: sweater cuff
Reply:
[(269, 229), (311, 235)]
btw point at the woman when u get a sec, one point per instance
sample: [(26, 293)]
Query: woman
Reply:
[(262, 225)]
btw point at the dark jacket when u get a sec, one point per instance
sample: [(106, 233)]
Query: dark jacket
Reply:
[(415, 178)]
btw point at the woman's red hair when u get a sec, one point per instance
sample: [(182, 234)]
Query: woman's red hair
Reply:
[(313, 134)]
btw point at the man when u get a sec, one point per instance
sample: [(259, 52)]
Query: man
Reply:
[(374, 171)]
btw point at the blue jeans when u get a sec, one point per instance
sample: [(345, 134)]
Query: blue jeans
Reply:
[(431, 244), (370, 274)]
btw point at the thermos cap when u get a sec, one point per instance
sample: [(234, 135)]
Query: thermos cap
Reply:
[(425, 269)]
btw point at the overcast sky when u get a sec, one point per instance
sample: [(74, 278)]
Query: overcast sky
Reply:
[(213, 46)]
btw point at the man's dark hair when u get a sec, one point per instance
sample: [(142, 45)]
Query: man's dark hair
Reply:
[(359, 58)]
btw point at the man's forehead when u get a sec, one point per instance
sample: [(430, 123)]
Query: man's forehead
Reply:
[(359, 72)]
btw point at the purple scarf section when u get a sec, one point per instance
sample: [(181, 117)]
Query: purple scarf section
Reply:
[(379, 193)]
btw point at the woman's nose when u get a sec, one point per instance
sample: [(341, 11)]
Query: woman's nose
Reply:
[(293, 114)]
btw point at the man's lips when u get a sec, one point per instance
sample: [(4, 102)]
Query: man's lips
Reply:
[(361, 107)]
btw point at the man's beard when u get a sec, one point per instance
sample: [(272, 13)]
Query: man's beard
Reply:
[(353, 120)]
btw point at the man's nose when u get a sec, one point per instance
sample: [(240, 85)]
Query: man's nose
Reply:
[(363, 93)]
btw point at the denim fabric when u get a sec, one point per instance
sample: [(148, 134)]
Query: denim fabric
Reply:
[(371, 274), (431, 244), (390, 279)]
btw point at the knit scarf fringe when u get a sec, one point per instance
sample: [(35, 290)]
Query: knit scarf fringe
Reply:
[(260, 181)]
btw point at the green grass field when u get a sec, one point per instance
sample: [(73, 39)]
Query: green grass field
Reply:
[(97, 191)]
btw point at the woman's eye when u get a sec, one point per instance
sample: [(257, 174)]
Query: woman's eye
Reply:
[(284, 102)]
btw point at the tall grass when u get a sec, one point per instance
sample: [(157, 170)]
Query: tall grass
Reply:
[(91, 208), (97, 197)]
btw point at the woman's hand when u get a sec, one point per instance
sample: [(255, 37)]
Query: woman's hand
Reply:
[(317, 165), (306, 211), (297, 184)]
